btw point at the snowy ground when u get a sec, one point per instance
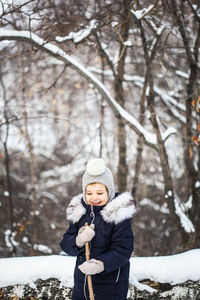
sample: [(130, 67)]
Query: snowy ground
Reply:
[(172, 269)]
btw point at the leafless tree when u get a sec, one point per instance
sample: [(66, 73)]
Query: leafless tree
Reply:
[(157, 46)]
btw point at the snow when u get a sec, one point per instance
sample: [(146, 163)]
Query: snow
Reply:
[(114, 24), (188, 204), (26, 270), (139, 14), (147, 202), (182, 74), (184, 219), (10, 238), (169, 193), (181, 211), (42, 248), (77, 37), (197, 184), (59, 175), (172, 269), (128, 44), (165, 97)]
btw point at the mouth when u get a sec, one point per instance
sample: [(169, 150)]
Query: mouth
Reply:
[(96, 203)]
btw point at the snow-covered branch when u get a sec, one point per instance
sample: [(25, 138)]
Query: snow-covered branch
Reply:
[(181, 212), (150, 139), (184, 219), (139, 14), (79, 36), (177, 109)]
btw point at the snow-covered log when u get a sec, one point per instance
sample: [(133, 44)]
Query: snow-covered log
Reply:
[(51, 277), (52, 289)]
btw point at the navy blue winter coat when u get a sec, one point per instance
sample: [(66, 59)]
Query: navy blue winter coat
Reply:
[(112, 244)]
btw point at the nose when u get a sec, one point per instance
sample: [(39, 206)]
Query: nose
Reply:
[(95, 200)]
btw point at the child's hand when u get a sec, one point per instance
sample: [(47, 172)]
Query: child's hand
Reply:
[(85, 234), (92, 267)]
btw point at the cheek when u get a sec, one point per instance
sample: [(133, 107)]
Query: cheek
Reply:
[(105, 199), (87, 198), (89, 202)]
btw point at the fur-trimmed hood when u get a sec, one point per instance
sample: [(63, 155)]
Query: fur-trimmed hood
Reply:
[(122, 207)]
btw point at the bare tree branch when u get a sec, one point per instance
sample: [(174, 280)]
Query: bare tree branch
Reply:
[(149, 138)]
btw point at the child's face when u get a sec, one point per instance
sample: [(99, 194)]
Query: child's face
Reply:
[(96, 194)]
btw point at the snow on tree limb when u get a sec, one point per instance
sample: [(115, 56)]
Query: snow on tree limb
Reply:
[(168, 100), (184, 219), (79, 36), (139, 14), (180, 210), (150, 139)]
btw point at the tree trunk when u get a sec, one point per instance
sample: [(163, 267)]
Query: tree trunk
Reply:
[(7, 169), (192, 153), (119, 95), (33, 216), (140, 142), (168, 182), (193, 174)]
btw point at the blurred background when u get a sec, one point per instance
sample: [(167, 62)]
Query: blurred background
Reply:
[(53, 118)]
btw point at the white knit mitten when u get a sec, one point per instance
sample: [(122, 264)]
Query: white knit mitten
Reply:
[(85, 234), (92, 266)]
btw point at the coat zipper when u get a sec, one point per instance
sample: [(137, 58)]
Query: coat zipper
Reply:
[(92, 214), (118, 275)]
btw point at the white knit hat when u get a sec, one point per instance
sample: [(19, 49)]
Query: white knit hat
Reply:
[(96, 171)]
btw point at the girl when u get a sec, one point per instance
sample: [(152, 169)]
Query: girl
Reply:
[(110, 235)]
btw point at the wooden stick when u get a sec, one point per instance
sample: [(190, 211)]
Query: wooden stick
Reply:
[(89, 278)]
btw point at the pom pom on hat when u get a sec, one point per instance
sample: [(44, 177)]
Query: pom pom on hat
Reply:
[(96, 167)]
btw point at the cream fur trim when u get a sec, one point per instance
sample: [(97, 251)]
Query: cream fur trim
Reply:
[(75, 209), (119, 209)]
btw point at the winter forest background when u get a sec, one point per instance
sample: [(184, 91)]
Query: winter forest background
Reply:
[(117, 79)]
